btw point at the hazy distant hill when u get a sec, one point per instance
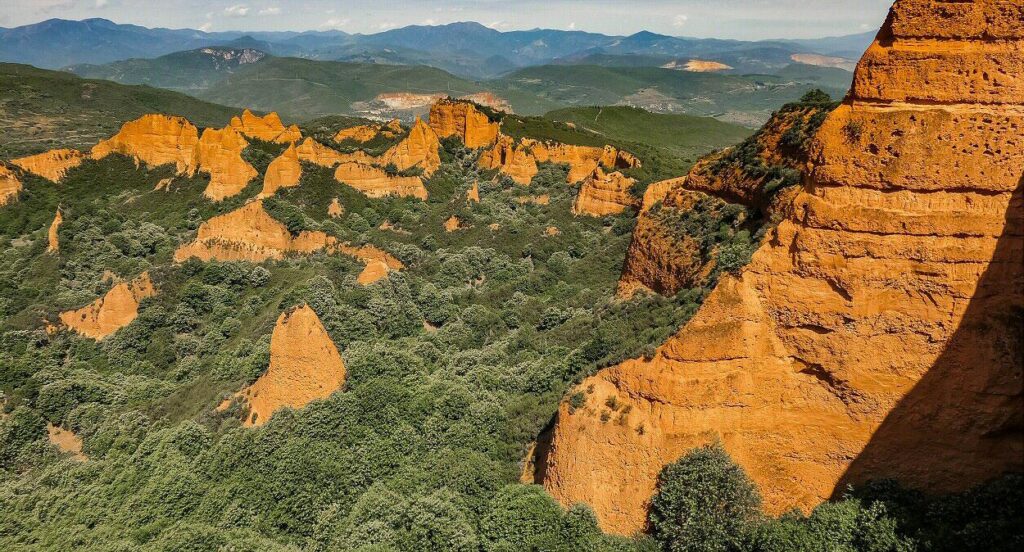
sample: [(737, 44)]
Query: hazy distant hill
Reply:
[(41, 109), (186, 71), (466, 49)]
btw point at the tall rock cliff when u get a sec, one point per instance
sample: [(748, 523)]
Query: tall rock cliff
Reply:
[(219, 154), (154, 140), (283, 172), (463, 119), (268, 128), (10, 185), (877, 331), (304, 366)]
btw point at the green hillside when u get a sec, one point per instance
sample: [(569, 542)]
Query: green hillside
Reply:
[(304, 89), (744, 99), (41, 110), (187, 71)]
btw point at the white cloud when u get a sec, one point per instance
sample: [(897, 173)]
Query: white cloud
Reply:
[(680, 20), (497, 25), (572, 26), (205, 27), (273, 10), (430, 22), (386, 25), (238, 10), (334, 23), (101, 3)]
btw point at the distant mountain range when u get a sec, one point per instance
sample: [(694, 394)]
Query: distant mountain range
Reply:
[(468, 50)]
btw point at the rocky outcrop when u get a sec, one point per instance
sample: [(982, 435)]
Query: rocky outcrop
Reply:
[(154, 140), (304, 366), (375, 182), (111, 312), (51, 165), (283, 172), (268, 128), (876, 332), (52, 240), (420, 149), (603, 194), (519, 160), (219, 154), (360, 133), (251, 234), (462, 119), (473, 195), (374, 272), (314, 152), (489, 99), (658, 191), (10, 185), (453, 224), (335, 209)]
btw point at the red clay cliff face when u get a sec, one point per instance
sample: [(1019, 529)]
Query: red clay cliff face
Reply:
[(876, 332), (304, 366)]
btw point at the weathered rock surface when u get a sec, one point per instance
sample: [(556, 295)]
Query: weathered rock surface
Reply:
[(154, 140), (360, 133), (314, 152), (111, 312), (420, 149), (604, 194), (335, 209), (51, 165), (375, 182), (283, 172), (304, 366), (219, 154), (876, 332), (519, 160), (251, 234), (10, 185), (268, 128), (460, 118), (473, 195), (52, 240)]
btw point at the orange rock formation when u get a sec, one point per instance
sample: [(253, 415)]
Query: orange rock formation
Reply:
[(374, 271), (419, 149), (335, 209), (51, 165), (314, 152), (154, 140), (604, 194), (473, 195), (304, 366), (463, 119), (519, 161), (219, 154), (53, 243), (283, 172), (375, 182), (111, 312), (251, 234), (10, 185), (873, 334), (361, 133), (268, 128)]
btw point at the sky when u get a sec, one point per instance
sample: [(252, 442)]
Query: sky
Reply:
[(739, 19)]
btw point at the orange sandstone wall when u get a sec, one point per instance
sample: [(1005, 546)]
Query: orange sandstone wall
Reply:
[(283, 172), (604, 194), (10, 185), (375, 182), (111, 312), (304, 366), (219, 154), (154, 140), (51, 165), (53, 242), (267, 128), (463, 119), (875, 334)]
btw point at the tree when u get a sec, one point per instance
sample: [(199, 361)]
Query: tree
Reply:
[(705, 502)]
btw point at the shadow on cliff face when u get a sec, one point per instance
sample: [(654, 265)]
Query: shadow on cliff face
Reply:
[(963, 423)]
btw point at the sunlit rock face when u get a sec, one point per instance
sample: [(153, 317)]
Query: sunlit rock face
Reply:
[(115, 310), (51, 165), (304, 366), (877, 331)]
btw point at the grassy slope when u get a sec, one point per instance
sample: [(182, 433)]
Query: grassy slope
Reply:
[(183, 71), (732, 97), (40, 109), (306, 89), (683, 135)]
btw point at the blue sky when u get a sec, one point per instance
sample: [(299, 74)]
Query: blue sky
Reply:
[(742, 19)]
